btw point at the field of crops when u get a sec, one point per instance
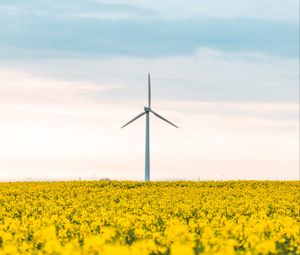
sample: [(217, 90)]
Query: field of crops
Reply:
[(176, 218)]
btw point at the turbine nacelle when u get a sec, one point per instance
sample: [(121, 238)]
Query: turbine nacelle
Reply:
[(147, 109)]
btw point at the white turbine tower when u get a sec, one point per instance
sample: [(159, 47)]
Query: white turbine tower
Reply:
[(147, 110)]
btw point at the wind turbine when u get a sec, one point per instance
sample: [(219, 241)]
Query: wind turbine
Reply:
[(147, 111)]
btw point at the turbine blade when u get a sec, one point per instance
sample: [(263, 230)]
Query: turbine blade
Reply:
[(149, 91), (140, 115), (161, 117)]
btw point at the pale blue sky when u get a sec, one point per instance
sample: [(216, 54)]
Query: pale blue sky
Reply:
[(233, 64)]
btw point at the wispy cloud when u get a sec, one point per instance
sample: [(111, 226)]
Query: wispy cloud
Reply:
[(208, 75), (24, 92), (142, 9), (79, 9), (264, 9)]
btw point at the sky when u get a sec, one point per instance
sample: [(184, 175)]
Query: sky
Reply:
[(73, 72)]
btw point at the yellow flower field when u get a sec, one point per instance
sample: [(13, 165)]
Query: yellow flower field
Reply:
[(174, 218)]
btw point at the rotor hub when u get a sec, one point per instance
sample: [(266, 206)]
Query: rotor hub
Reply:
[(147, 109)]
